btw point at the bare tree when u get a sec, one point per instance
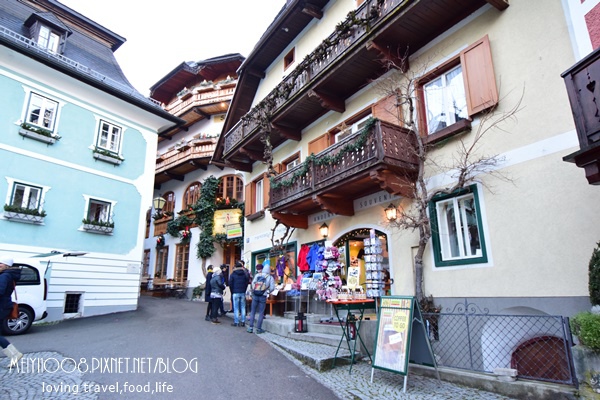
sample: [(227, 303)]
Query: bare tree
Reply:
[(465, 165)]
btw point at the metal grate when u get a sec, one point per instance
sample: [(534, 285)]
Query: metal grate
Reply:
[(537, 346)]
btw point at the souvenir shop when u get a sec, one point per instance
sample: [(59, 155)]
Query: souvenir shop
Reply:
[(355, 266)]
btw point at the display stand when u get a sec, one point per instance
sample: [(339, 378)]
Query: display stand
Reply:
[(351, 325)]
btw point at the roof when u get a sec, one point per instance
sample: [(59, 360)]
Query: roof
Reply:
[(88, 53)]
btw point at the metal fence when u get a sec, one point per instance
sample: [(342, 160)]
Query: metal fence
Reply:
[(537, 346)]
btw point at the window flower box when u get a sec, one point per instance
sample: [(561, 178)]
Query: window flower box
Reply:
[(22, 217), (104, 230), (106, 156), (48, 138)]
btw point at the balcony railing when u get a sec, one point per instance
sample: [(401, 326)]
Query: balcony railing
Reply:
[(178, 107), (328, 54), (195, 148), (381, 146)]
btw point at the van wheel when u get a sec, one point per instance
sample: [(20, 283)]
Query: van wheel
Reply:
[(20, 325)]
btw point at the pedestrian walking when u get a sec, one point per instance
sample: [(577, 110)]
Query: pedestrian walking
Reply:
[(8, 278), (207, 292), (216, 294), (238, 283), (262, 285)]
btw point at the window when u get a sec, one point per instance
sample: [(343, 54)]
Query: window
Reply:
[(457, 232), (160, 268), (99, 211), (191, 195), (291, 162), (353, 128), (457, 90), (41, 111), (26, 196), (289, 59), (182, 260), (72, 303), (48, 40), (445, 100), (232, 187), (170, 203), (257, 197), (109, 137), (146, 263)]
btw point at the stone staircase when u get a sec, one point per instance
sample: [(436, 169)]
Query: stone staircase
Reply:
[(317, 347)]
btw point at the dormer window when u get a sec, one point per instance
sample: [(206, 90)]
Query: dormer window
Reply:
[(48, 32), (48, 40)]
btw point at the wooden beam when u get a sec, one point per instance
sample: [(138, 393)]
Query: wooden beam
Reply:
[(253, 155), (393, 183), (198, 165), (328, 101), (313, 11), (399, 62), (171, 175), (288, 133), (291, 220), (335, 204), (198, 111), (499, 4), (239, 166)]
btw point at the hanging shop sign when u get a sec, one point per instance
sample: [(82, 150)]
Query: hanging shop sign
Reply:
[(225, 218), (401, 337), (234, 231)]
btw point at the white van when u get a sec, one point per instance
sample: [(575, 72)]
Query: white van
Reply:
[(31, 293)]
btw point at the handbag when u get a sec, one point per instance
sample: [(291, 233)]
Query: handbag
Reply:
[(14, 314)]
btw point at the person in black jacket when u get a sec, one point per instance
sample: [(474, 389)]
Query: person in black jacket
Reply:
[(8, 278), (238, 283), (207, 293)]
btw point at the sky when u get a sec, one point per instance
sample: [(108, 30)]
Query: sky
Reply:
[(161, 35)]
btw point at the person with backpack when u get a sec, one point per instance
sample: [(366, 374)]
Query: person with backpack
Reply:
[(262, 285)]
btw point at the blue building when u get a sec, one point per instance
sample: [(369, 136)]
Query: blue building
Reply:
[(77, 151)]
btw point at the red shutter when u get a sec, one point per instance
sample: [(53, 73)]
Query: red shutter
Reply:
[(480, 80), (319, 144), (266, 187)]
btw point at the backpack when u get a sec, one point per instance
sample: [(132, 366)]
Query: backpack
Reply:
[(260, 285)]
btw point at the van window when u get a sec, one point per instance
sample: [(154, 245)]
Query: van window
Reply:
[(29, 275)]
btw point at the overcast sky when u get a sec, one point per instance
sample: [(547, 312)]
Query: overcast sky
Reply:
[(163, 34)]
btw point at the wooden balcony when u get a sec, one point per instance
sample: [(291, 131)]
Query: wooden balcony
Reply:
[(385, 160), (183, 158), (346, 62), (207, 102), (160, 225), (583, 86)]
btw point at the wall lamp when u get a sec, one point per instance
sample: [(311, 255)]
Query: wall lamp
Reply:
[(158, 203), (391, 212), (324, 230)]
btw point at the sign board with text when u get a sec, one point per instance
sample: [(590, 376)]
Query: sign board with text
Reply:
[(225, 218)]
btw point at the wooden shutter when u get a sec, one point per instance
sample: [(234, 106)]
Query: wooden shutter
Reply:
[(478, 73), (319, 144), (249, 199), (266, 187), (387, 109)]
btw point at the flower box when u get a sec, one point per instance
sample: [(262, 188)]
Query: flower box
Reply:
[(104, 230), (108, 159), (26, 218), (37, 136)]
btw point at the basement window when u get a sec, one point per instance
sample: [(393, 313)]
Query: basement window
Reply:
[(73, 303)]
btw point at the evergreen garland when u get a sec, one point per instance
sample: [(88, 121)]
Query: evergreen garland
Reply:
[(327, 160), (204, 210), (594, 276)]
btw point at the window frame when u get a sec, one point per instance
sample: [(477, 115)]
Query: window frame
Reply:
[(257, 197), (162, 263), (436, 234), (99, 137), (48, 44), (182, 262), (237, 185), (27, 188), (289, 59), (29, 111), (291, 162), (89, 199), (191, 195), (479, 81)]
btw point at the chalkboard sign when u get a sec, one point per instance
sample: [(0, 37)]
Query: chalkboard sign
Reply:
[(401, 336)]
